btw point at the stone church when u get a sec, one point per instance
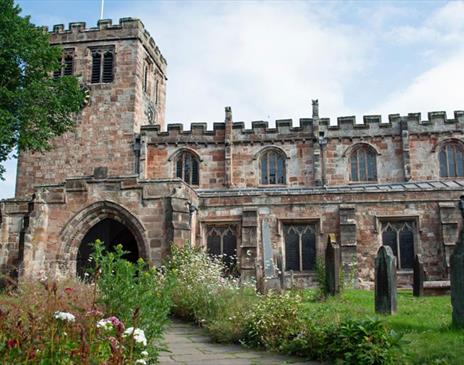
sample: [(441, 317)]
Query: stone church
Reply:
[(264, 197)]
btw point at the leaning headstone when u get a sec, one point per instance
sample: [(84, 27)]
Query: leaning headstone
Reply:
[(332, 266), (385, 281), (457, 282), (419, 277)]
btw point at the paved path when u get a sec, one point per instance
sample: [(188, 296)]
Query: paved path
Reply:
[(190, 345)]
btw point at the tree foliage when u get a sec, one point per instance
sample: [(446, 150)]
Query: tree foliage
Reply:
[(34, 107)]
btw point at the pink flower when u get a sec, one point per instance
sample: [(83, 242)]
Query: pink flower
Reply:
[(68, 290), (12, 343)]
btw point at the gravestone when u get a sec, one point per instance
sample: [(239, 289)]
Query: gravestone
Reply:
[(332, 266), (457, 275), (270, 279), (385, 281), (419, 277), (457, 282)]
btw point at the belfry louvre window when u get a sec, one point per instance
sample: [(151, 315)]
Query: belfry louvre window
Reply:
[(300, 247), (66, 65), (451, 160), (187, 168), (363, 164), (272, 168), (400, 237), (221, 240), (102, 66)]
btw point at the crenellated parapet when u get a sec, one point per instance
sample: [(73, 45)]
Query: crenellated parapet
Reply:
[(284, 130), (106, 31), (373, 125), (260, 132)]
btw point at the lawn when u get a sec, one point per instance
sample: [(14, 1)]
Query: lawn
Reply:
[(424, 322)]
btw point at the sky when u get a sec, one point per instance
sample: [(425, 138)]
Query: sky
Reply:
[(268, 59)]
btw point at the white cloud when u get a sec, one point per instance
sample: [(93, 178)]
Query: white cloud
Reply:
[(266, 60), (440, 88), (445, 27)]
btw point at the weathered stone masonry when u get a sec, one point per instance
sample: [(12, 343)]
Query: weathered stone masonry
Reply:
[(373, 183)]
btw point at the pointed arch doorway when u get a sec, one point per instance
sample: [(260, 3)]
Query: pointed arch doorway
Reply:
[(111, 232)]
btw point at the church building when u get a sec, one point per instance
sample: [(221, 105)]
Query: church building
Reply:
[(266, 198)]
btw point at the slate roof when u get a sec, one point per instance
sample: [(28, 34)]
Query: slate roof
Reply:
[(444, 185)]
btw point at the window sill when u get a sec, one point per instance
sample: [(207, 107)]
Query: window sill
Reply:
[(272, 185), (300, 273), (363, 182)]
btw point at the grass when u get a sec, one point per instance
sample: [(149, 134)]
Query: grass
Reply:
[(424, 322)]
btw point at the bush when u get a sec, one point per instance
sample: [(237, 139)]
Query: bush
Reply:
[(272, 320), (200, 292), (134, 293), (276, 322), (362, 342)]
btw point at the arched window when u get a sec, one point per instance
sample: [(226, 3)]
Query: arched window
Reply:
[(363, 164), (187, 168), (272, 167), (451, 160), (66, 64), (400, 237), (102, 66)]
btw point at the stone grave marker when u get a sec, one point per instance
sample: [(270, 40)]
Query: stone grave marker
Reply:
[(270, 278), (385, 281), (419, 277), (332, 266), (457, 282)]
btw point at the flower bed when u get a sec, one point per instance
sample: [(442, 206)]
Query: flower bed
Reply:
[(117, 319), (275, 322)]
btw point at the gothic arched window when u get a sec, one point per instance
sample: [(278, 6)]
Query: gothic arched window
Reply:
[(102, 66), (188, 168), (66, 64), (451, 160), (400, 237), (272, 167), (363, 164)]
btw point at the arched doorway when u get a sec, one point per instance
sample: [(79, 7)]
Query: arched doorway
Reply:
[(111, 233)]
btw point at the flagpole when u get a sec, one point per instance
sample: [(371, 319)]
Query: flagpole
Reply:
[(101, 8)]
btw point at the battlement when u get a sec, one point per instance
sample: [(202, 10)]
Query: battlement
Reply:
[(437, 122), (127, 28)]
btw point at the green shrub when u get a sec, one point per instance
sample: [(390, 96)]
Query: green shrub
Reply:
[(276, 322), (362, 342), (272, 320), (200, 290), (138, 295)]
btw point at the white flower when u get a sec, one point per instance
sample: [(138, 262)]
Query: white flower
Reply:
[(105, 324), (144, 353), (141, 362), (138, 334), (64, 316)]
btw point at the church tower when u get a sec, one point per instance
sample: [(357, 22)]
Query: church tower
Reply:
[(124, 75)]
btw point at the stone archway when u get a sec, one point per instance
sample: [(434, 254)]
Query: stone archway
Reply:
[(111, 233), (75, 232)]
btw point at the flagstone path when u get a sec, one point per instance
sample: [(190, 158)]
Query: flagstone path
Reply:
[(190, 345)]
